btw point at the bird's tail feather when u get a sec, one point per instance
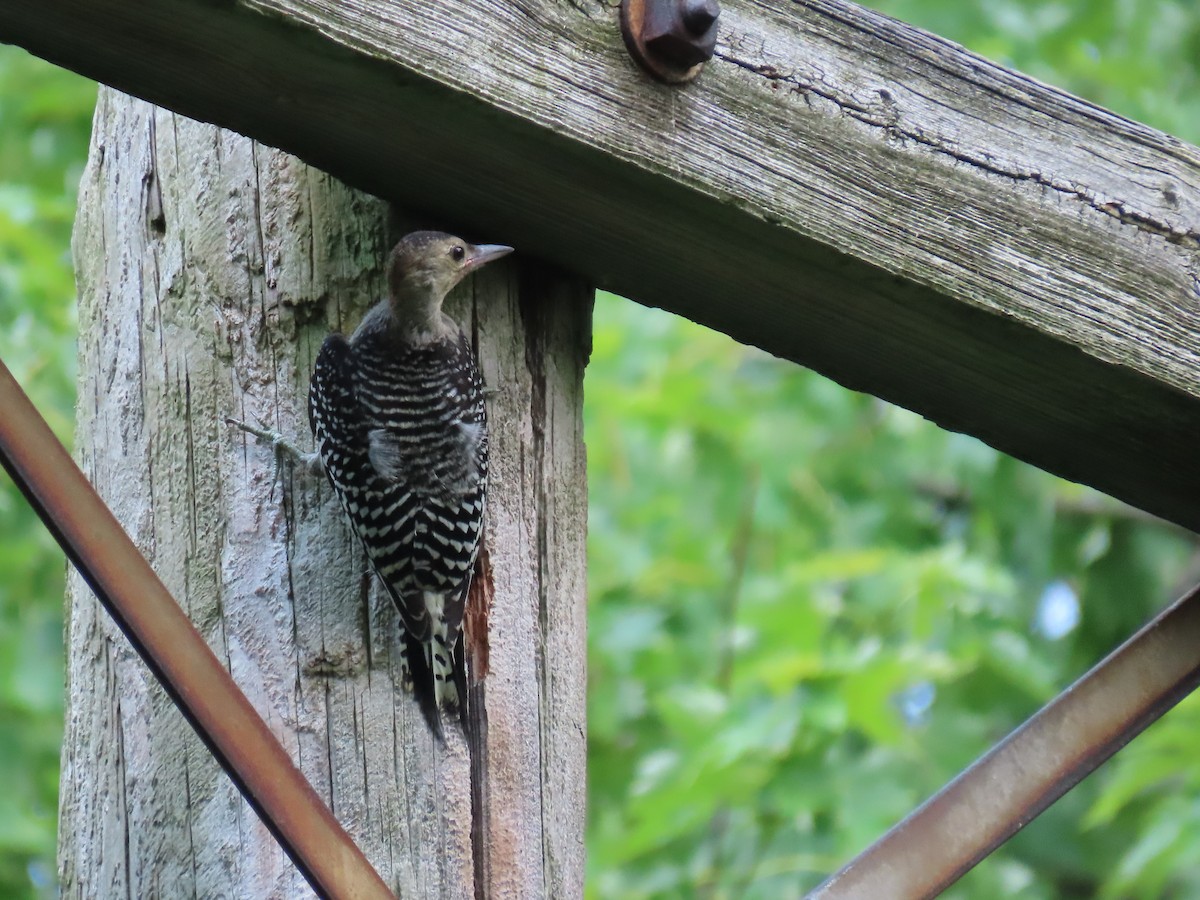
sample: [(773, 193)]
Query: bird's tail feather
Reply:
[(435, 669), (423, 683), (445, 678)]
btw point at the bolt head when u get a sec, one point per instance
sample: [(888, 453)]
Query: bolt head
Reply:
[(699, 15), (683, 32), (671, 39)]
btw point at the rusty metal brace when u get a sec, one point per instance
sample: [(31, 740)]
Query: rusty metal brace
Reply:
[(177, 655), (1020, 777)]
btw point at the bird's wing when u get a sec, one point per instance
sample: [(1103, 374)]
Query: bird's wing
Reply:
[(334, 413), (381, 510), (432, 434), (383, 449), (428, 431)]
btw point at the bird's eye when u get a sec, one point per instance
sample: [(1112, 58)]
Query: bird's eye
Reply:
[(457, 253)]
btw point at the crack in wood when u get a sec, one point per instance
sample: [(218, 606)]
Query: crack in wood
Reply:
[(1117, 209)]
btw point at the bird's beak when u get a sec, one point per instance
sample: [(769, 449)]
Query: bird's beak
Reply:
[(481, 254)]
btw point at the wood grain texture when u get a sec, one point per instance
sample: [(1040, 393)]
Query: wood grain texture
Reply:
[(837, 188), (210, 268)]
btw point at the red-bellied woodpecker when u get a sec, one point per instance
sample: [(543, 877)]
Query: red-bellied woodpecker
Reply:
[(397, 411)]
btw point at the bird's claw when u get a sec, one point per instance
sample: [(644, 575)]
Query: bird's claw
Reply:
[(309, 462)]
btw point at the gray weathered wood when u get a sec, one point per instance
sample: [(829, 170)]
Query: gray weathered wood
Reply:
[(837, 188), (210, 268)]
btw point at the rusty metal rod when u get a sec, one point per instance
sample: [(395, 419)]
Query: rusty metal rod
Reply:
[(177, 654), (1021, 776)]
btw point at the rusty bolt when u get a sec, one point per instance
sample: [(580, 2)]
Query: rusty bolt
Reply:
[(671, 38), (699, 15)]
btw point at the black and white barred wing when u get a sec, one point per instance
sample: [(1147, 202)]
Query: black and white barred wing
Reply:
[(427, 430), (381, 512), (404, 439)]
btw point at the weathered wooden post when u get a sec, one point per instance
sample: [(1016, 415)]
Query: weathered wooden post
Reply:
[(210, 268)]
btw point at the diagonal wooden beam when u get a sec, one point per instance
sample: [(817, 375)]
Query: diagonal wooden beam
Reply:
[(837, 188), (170, 645)]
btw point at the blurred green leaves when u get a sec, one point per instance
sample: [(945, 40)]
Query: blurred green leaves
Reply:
[(45, 117), (1135, 57), (809, 610), (792, 630)]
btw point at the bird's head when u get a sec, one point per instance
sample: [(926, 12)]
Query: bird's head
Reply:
[(422, 270)]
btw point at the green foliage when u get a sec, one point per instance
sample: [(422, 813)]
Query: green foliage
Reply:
[(45, 115), (1135, 57), (809, 609)]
